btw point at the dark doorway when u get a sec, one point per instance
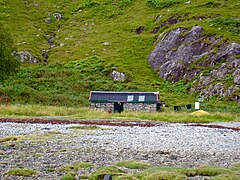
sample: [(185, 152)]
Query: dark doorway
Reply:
[(118, 107)]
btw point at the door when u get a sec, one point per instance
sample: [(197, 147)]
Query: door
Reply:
[(118, 107)]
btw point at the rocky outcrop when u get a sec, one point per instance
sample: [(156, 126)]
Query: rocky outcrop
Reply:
[(26, 57), (118, 76), (213, 64)]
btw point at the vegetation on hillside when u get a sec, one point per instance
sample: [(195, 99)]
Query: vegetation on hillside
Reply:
[(9, 63), (81, 61)]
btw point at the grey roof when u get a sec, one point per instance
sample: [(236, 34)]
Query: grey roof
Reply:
[(108, 96)]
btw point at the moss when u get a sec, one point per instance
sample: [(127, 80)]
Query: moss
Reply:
[(226, 177), (22, 172), (134, 165), (74, 167), (126, 177), (38, 155), (211, 171), (68, 177), (237, 56), (52, 133), (9, 138), (101, 172), (163, 175), (237, 165), (84, 176), (47, 170)]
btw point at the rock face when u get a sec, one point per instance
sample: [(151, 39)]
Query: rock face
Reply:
[(211, 63)]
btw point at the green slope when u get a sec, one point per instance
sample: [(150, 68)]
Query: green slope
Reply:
[(80, 34)]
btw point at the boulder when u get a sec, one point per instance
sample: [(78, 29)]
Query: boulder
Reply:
[(118, 76), (26, 57), (57, 15)]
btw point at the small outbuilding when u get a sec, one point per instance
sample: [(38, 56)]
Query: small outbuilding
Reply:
[(120, 101)]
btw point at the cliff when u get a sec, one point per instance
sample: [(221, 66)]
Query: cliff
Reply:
[(210, 63)]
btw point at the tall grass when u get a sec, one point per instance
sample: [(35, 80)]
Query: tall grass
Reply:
[(84, 113)]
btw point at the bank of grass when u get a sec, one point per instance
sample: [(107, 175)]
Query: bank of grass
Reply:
[(166, 172), (134, 165), (22, 172), (85, 113)]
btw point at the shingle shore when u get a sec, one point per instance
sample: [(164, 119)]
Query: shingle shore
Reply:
[(52, 146)]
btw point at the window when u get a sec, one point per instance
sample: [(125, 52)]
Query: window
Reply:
[(130, 98), (141, 98)]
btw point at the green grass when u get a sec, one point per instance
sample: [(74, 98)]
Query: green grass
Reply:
[(68, 168), (22, 172), (68, 177), (84, 113), (101, 172), (166, 173), (134, 165), (83, 62), (49, 170), (8, 138)]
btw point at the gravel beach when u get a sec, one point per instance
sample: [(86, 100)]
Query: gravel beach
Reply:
[(55, 145)]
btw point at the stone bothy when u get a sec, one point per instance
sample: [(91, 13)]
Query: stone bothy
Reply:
[(119, 101)]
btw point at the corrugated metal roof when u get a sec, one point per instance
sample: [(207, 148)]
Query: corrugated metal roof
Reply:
[(111, 96)]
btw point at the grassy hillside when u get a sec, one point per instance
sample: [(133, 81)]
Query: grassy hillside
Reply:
[(80, 61)]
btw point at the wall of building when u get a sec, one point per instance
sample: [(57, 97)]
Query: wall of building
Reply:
[(127, 106)]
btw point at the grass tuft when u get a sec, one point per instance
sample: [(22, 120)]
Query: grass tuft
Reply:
[(22, 172), (101, 172), (73, 168), (8, 138), (134, 165)]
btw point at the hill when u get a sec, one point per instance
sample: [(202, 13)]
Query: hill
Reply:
[(77, 45)]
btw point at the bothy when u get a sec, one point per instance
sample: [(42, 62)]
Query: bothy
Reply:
[(119, 101)]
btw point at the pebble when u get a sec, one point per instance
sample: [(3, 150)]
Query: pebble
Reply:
[(53, 146)]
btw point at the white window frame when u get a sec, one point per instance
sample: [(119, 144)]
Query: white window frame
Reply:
[(141, 98), (130, 98)]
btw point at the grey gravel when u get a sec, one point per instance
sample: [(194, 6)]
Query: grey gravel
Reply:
[(52, 146)]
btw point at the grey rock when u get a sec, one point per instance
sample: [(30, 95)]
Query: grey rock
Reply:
[(184, 54), (48, 20), (45, 56), (57, 15), (25, 56), (118, 76), (236, 75), (140, 29), (106, 43), (51, 43)]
